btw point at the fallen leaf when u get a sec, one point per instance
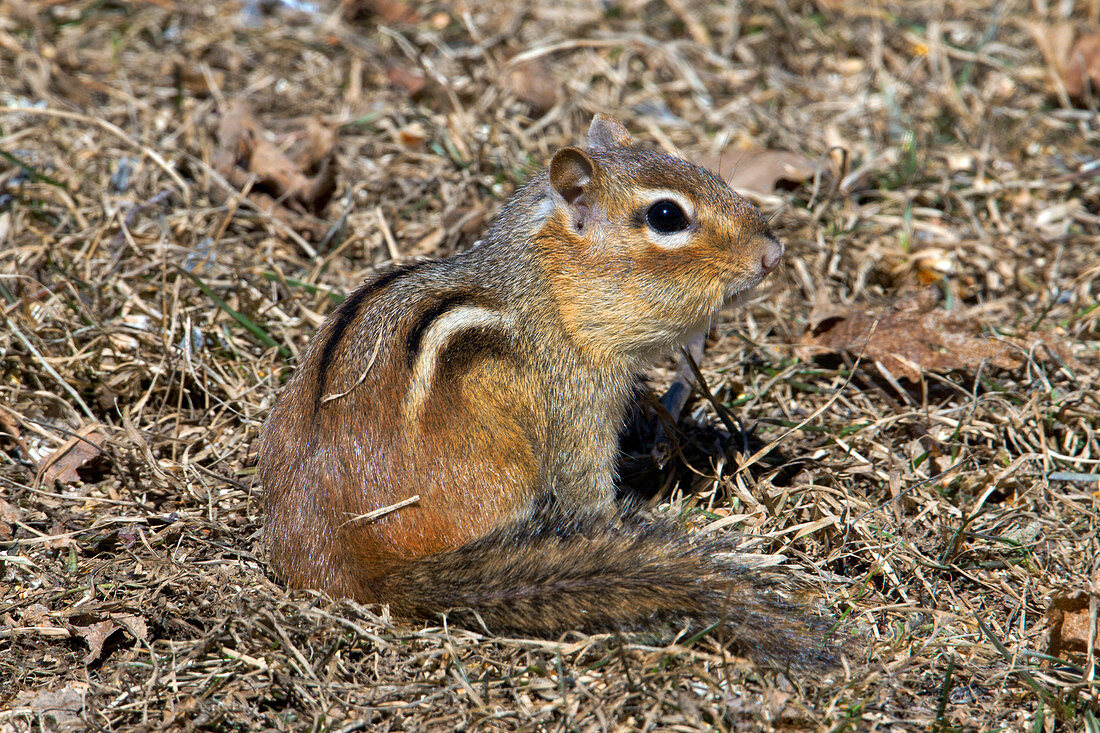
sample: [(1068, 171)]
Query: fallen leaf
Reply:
[(316, 147), (57, 710), (61, 465), (1077, 64), (534, 83), (412, 82), (134, 625), (94, 635), (761, 170), (197, 81), (412, 135), (388, 11), (8, 515), (1069, 617), (1054, 42), (280, 183), (35, 614), (430, 242), (914, 336), (9, 426), (1082, 67), (467, 220), (274, 169)]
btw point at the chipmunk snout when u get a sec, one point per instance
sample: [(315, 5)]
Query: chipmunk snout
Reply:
[(773, 252)]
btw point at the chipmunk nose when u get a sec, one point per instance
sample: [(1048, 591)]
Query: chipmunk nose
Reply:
[(773, 252)]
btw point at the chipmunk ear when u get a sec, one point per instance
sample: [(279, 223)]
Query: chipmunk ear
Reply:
[(606, 131), (571, 170)]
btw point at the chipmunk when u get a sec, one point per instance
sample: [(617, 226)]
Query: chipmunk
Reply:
[(490, 388)]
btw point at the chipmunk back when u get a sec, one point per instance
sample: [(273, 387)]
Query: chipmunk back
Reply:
[(492, 386)]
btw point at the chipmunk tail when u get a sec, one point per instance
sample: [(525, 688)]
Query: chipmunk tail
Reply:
[(549, 571)]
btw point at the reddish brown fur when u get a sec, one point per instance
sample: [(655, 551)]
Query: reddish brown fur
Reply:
[(496, 382)]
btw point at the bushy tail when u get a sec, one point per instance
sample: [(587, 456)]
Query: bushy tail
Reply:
[(549, 572)]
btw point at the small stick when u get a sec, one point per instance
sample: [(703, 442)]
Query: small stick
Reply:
[(376, 513), (366, 370), (52, 372), (731, 423)]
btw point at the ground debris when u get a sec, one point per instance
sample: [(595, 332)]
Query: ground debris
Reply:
[(302, 180), (916, 335), (187, 189)]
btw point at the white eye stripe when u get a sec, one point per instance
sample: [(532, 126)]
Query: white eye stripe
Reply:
[(671, 240), (652, 195)]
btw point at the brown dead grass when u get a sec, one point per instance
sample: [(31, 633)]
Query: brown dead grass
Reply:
[(937, 517)]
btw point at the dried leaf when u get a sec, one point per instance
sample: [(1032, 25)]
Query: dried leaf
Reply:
[(134, 625), (8, 515), (387, 11), (913, 336), (279, 181), (760, 170), (534, 83), (1082, 67), (412, 82), (197, 81), (9, 428), (94, 635), (1069, 617), (1055, 43), (274, 169), (316, 147), (35, 614), (467, 220), (430, 242), (412, 135), (57, 710), (61, 465)]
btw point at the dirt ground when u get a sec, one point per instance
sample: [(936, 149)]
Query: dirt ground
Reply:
[(186, 189)]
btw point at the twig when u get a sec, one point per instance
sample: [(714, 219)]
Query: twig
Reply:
[(376, 513), (363, 376), (50, 370)]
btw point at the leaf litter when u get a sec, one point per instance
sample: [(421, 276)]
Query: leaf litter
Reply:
[(158, 277), (915, 335)]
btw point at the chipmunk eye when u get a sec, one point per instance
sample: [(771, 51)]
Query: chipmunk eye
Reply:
[(666, 217)]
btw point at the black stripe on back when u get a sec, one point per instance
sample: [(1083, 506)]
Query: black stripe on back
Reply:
[(424, 322), (346, 312)]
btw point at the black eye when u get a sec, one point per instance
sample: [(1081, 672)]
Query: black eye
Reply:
[(666, 217)]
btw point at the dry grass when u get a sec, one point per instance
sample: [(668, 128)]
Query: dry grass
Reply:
[(136, 597)]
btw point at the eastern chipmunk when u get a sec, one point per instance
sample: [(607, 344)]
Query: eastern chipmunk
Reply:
[(493, 385)]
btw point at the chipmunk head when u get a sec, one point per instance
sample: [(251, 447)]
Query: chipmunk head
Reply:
[(644, 247)]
